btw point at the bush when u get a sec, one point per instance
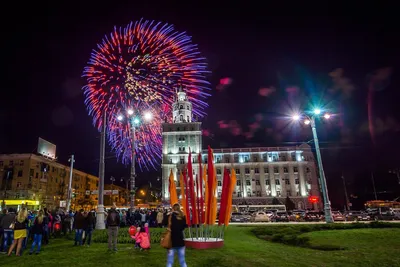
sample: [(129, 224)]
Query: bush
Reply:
[(101, 236), (291, 234)]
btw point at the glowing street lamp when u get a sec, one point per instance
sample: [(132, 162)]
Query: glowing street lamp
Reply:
[(133, 121), (311, 120)]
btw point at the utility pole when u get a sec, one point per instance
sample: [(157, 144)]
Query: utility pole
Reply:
[(345, 193), (71, 170), (5, 190), (100, 207), (373, 185)]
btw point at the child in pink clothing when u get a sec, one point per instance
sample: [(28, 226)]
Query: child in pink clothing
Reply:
[(143, 239)]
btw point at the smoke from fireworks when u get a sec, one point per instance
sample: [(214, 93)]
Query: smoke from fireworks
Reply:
[(140, 67)]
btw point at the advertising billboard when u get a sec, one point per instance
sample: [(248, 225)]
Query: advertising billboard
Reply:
[(47, 149)]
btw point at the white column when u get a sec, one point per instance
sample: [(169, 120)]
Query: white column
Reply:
[(302, 186), (272, 180)]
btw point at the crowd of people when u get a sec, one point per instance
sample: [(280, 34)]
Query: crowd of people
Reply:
[(17, 228)]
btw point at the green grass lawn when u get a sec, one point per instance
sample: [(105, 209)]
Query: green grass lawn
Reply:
[(363, 247)]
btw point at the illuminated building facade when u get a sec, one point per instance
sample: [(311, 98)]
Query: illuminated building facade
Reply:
[(263, 173), (37, 182)]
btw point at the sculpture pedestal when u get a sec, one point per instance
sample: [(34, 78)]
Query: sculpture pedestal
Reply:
[(202, 243)]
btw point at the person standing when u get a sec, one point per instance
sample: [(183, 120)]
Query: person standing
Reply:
[(79, 226), (89, 226), (37, 231), (113, 222), (20, 225), (178, 224), (8, 233), (160, 217)]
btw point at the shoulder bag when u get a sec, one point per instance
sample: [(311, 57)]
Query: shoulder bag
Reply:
[(166, 241)]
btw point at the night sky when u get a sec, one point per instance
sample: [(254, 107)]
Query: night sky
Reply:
[(265, 63)]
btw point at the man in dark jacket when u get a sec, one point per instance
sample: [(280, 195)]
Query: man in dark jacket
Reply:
[(79, 226), (8, 234), (113, 221)]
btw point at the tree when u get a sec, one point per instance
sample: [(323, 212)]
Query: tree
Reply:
[(289, 204)]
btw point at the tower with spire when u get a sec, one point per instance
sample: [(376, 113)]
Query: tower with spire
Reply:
[(182, 134)]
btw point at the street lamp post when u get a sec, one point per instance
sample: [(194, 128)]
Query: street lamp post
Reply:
[(310, 120), (132, 122), (100, 206), (112, 179)]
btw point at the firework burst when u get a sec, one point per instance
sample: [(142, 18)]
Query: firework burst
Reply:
[(141, 66)]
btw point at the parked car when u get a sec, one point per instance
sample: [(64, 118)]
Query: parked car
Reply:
[(384, 214), (260, 217), (396, 212), (338, 216), (297, 215), (281, 216), (313, 216), (239, 217), (353, 215)]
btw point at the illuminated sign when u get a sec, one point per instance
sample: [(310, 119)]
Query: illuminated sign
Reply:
[(47, 149), (313, 199)]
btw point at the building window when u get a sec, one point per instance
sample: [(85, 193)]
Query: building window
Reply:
[(236, 158), (297, 193), (37, 175), (265, 157), (20, 173), (294, 157), (219, 183), (255, 158), (11, 163), (181, 107), (238, 183), (182, 160), (287, 182), (187, 107), (178, 129), (21, 163), (218, 170), (247, 171), (256, 170), (227, 159), (285, 170), (19, 185), (239, 194), (181, 117), (297, 181), (31, 172), (237, 171), (266, 170), (246, 158), (288, 193), (283, 157), (278, 193), (276, 170), (277, 182), (295, 169), (248, 182), (267, 182), (257, 182), (308, 169), (187, 119)]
